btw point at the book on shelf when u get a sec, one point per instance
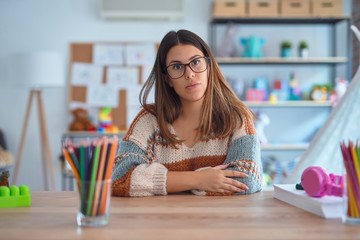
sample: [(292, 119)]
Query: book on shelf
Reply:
[(326, 207)]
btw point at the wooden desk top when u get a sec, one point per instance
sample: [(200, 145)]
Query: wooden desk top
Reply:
[(187, 217)]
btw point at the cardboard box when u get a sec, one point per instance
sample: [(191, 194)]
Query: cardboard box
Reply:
[(327, 8), (263, 8), (295, 8), (229, 8)]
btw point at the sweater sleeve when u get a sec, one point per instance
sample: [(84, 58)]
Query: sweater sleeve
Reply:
[(136, 172), (243, 155)]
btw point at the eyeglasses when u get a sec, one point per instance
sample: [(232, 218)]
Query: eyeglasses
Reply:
[(177, 70)]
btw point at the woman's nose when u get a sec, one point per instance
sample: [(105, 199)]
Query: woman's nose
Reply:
[(188, 72)]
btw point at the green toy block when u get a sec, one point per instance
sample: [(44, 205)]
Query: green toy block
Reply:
[(14, 196)]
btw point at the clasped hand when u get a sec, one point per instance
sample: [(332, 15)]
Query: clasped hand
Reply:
[(218, 179)]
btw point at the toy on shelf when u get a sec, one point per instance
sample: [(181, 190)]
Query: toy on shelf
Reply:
[(261, 121), (281, 89), (275, 171), (14, 196), (105, 121), (81, 121), (294, 90), (319, 93), (252, 46), (227, 46), (339, 90), (259, 91)]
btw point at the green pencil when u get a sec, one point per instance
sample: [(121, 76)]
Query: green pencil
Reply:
[(93, 178), (82, 177)]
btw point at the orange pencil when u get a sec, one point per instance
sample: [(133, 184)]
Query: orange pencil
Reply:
[(109, 166), (70, 162), (100, 173)]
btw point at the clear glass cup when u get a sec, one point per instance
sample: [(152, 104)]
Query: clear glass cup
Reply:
[(350, 213), (94, 204)]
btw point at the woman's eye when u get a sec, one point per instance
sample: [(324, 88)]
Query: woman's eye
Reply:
[(177, 66), (195, 62)]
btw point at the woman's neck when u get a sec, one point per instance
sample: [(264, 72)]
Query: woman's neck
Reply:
[(191, 111)]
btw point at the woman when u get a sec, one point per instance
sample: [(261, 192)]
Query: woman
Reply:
[(196, 136)]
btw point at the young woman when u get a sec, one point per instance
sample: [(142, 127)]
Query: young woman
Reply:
[(197, 135)]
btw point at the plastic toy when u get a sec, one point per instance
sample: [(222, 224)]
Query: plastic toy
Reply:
[(14, 196), (294, 91), (105, 118), (252, 46), (319, 93), (105, 121)]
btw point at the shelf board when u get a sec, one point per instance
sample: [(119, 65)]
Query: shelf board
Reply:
[(284, 147), (282, 20), (280, 60), (301, 103)]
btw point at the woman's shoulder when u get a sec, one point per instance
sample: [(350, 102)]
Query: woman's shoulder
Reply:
[(143, 122)]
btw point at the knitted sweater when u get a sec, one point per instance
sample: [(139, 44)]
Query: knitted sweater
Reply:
[(144, 158)]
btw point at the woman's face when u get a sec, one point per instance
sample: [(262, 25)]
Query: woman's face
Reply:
[(191, 86)]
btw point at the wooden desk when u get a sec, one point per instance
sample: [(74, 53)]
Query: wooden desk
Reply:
[(187, 217)]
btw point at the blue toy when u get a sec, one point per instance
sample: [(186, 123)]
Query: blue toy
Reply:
[(252, 46)]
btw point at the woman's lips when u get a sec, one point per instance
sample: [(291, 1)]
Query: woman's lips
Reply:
[(192, 85)]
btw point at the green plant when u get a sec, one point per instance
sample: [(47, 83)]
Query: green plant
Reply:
[(303, 45), (286, 44)]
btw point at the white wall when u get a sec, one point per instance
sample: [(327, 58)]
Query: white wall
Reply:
[(35, 25)]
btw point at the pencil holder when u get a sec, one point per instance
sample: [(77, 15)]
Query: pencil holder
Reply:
[(351, 183), (94, 204), (351, 212)]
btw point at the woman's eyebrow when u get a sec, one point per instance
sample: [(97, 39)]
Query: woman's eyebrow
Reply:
[(190, 59)]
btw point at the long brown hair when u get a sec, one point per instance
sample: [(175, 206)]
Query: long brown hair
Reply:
[(222, 111)]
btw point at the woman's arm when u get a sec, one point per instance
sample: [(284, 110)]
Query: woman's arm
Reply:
[(215, 179), (135, 175), (244, 156)]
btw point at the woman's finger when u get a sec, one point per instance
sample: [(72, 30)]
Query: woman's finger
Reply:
[(233, 173), (232, 188), (221, 167), (236, 184)]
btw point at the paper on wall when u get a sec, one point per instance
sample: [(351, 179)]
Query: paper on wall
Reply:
[(122, 77), (140, 54), (85, 74), (107, 54), (102, 95)]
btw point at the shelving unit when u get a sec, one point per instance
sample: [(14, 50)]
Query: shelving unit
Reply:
[(279, 60), (334, 59)]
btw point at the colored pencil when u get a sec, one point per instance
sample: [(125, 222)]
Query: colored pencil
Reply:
[(95, 161)]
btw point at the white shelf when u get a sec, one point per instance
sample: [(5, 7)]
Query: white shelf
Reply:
[(290, 104), (280, 60), (286, 147)]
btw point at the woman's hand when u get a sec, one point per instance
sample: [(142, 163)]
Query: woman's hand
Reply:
[(218, 179)]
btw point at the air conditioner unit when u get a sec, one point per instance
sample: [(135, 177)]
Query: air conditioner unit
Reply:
[(141, 9)]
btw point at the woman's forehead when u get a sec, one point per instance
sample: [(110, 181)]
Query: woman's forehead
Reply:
[(182, 53)]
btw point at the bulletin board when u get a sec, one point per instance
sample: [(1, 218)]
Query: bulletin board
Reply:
[(83, 53)]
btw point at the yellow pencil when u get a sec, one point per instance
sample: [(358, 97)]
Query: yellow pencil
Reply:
[(355, 162)]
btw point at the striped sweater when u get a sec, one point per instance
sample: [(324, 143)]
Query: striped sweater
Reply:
[(144, 158)]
